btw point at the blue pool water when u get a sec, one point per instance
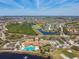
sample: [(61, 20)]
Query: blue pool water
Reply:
[(29, 48), (8, 55), (47, 33)]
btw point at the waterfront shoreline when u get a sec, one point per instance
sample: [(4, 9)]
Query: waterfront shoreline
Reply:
[(24, 52)]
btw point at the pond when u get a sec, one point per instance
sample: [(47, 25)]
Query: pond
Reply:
[(47, 33)]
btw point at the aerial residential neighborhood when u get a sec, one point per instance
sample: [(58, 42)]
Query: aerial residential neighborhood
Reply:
[(36, 35), (39, 29)]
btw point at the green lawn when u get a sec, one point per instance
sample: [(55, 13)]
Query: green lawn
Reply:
[(70, 55), (61, 42), (56, 54), (24, 28)]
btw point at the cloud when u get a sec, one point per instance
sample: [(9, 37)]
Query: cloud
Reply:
[(39, 7)]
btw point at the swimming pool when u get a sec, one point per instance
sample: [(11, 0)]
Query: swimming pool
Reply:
[(31, 48)]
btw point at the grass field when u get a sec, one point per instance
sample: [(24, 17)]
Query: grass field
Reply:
[(24, 28), (56, 54)]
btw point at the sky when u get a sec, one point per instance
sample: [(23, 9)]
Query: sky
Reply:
[(39, 7)]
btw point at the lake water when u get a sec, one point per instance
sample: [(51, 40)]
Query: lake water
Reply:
[(47, 33), (7, 55)]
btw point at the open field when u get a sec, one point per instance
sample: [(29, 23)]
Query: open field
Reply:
[(71, 55), (24, 28)]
